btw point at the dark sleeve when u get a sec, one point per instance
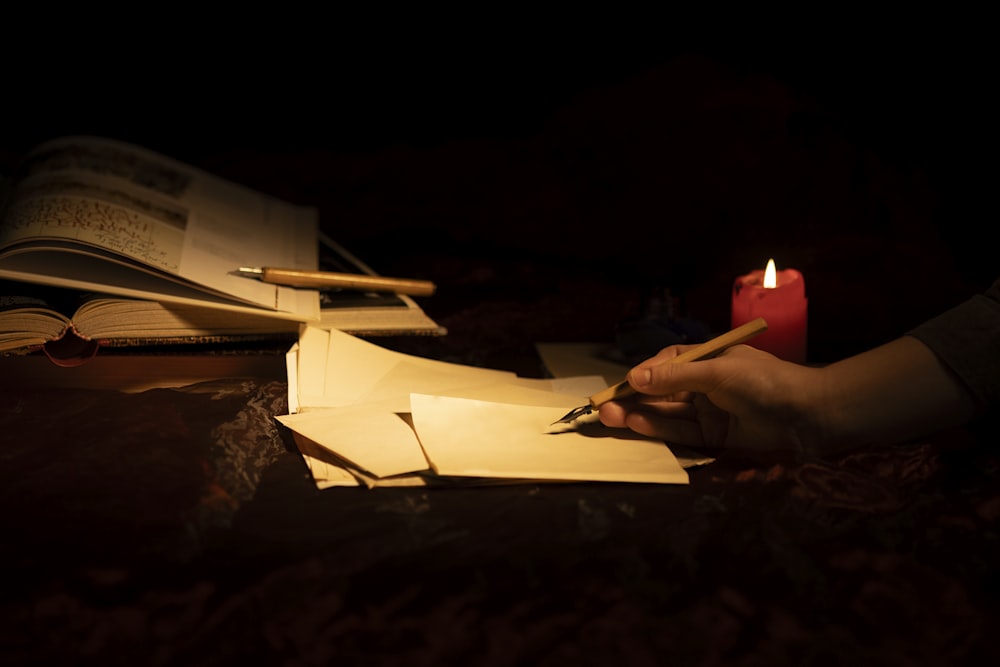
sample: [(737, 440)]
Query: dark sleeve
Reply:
[(967, 339)]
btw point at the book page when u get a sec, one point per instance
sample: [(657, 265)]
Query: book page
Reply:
[(162, 215), (30, 319)]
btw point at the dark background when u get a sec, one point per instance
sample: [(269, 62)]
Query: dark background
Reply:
[(548, 173), (588, 160)]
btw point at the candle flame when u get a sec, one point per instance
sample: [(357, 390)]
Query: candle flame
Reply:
[(770, 275)]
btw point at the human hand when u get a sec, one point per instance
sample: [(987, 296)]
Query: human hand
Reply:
[(743, 398)]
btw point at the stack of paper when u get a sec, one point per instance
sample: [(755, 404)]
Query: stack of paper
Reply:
[(365, 415)]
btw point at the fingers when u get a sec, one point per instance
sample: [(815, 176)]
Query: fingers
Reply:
[(694, 404), (612, 414), (685, 432), (671, 421), (691, 425), (615, 413), (662, 378), (659, 377), (665, 355)]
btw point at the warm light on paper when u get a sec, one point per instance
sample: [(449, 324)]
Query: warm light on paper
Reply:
[(361, 372), (360, 409), (325, 473), (371, 437), (508, 443)]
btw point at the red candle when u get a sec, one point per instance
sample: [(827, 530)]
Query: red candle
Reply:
[(780, 298)]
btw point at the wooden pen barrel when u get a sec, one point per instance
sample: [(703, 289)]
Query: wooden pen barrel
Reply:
[(321, 279)]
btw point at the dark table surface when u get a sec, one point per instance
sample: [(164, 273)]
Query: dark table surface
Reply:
[(180, 526)]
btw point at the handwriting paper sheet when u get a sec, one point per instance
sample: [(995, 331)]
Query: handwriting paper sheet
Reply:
[(371, 437), (477, 438)]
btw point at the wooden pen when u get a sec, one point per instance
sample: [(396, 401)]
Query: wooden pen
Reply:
[(353, 281)]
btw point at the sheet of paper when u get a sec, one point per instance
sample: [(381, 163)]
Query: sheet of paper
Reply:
[(326, 470), (370, 437), (568, 359), (530, 391), (292, 377), (407, 376), (462, 436), (406, 480), (329, 471), (353, 371), (326, 475), (312, 369), (563, 392)]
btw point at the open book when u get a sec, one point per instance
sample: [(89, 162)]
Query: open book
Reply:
[(103, 243)]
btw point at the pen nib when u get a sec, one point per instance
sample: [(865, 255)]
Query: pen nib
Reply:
[(248, 272), (573, 414)]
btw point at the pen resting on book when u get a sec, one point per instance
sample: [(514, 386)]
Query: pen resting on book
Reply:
[(329, 279)]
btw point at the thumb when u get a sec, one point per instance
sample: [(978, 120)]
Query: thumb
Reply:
[(668, 378)]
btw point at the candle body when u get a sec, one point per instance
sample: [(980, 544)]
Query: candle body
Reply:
[(784, 308)]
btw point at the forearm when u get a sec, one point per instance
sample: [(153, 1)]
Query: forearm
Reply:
[(967, 339), (892, 393)]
